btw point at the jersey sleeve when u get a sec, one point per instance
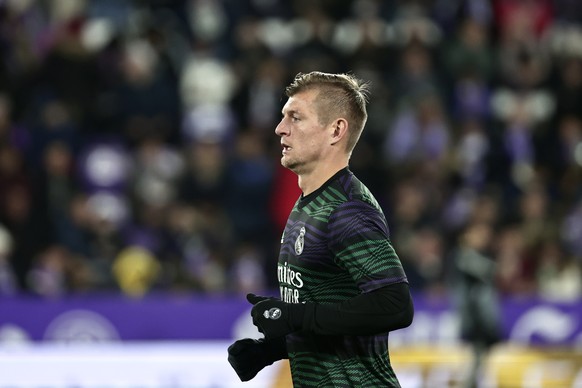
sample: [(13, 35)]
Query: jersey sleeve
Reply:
[(360, 243), (386, 309)]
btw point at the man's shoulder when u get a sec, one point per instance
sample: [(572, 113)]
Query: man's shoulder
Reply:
[(357, 191)]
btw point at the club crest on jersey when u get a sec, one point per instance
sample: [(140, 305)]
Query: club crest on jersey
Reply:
[(300, 242)]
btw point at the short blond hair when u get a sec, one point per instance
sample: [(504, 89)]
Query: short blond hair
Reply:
[(338, 94)]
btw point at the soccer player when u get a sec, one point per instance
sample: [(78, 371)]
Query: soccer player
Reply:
[(342, 285)]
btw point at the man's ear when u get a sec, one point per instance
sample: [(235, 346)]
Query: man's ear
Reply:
[(339, 130)]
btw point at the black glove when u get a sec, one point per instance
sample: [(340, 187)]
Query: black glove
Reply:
[(248, 356), (275, 318)]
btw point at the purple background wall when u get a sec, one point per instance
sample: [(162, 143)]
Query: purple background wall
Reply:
[(164, 317)]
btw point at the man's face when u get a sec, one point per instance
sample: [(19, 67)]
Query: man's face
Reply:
[(303, 137)]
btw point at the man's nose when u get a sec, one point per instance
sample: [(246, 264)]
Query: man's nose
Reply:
[(280, 129)]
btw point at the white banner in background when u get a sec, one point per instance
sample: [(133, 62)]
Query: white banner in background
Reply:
[(124, 365)]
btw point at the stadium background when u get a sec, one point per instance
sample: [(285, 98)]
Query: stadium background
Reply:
[(141, 196)]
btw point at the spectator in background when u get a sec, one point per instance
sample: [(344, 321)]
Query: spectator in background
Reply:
[(248, 269), (571, 228), (515, 272), (29, 228), (470, 52), (47, 276), (258, 101), (136, 271), (205, 177), (429, 265), (146, 98), (57, 184), (475, 295), (563, 160), (419, 135), (470, 154), (559, 273), (534, 215), (69, 71), (156, 169), (416, 76), (8, 282), (250, 175)]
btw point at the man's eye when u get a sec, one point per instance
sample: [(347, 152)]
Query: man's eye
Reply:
[(294, 118)]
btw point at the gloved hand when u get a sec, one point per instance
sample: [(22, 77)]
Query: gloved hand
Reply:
[(275, 318), (249, 356)]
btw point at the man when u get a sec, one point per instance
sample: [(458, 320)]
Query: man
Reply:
[(476, 297), (342, 285)]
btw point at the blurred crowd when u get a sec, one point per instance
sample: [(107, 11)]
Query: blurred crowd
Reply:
[(137, 145)]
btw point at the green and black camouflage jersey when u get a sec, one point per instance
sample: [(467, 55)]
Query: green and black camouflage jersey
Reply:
[(336, 246)]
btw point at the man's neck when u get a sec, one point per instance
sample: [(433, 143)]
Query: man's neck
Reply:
[(312, 181)]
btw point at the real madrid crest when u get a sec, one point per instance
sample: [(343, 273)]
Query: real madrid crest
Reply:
[(300, 242)]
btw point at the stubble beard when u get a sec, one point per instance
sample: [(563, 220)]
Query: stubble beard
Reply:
[(292, 165)]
